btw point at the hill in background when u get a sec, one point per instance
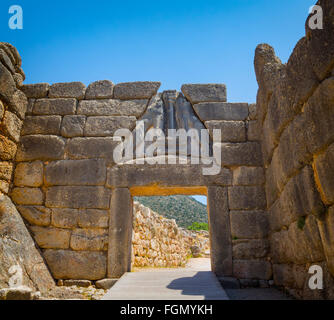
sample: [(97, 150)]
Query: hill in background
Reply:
[(184, 209)]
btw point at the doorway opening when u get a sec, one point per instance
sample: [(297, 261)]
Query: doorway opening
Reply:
[(171, 232)]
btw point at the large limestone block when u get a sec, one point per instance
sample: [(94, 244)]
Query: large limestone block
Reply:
[(77, 197), (38, 147), (51, 238), (252, 269), (90, 172), (41, 125), (103, 126), (29, 174), (248, 176), (300, 243), (36, 215), (254, 130), (18, 104), (67, 90), (11, 126), (36, 90), (196, 93), (92, 147), (7, 84), (18, 248), (250, 249), (240, 154), (231, 131), (102, 89), (5, 60), (7, 148), (247, 198), (93, 218), (221, 111), (74, 265), (28, 196), (324, 170), (73, 126), (136, 90), (220, 231), (65, 218), (54, 106), (89, 239), (249, 224), (112, 107)]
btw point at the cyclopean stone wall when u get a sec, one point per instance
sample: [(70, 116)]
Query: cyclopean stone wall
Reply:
[(65, 175), (18, 254), (159, 242), (296, 109)]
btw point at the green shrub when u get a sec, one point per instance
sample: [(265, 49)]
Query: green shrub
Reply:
[(199, 226)]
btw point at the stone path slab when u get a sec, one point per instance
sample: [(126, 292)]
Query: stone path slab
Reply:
[(167, 285)]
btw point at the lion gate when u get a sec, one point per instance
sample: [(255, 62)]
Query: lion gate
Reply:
[(78, 201)]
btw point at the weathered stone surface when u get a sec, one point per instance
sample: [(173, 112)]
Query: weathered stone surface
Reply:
[(41, 125), (112, 107), (324, 166), (249, 224), (54, 107), (51, 238), (16, 294), (299, 198), (231, 131), (93, 218), (253, 130), (89, 239), (5, 60), (36, 90), (18, 248), (106, 126), (7, 83), (27, 196), (300, 244), (248, 176), (30, 106), (103, 89), (67, 264), (90, 172), (136, 90), (77, 197), (252, 269), (11, 126), (81, 148), (67, 90), (220, 230), (221, 111), (247, 198), (2, 110), (6, 170), (196, 93), (65, 218), (18, 104), (326, 228), (38, 147), (4, 186), (240, 154), (77, 283), (105, 284), (252, 108), (7, 148), (73, 126), (36, 215), (250, 249), (291, 276), (29, 174)]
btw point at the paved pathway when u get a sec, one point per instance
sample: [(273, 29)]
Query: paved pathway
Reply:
[(195, 282)]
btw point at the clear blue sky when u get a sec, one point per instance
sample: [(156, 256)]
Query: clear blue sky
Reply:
[(174, 42)]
